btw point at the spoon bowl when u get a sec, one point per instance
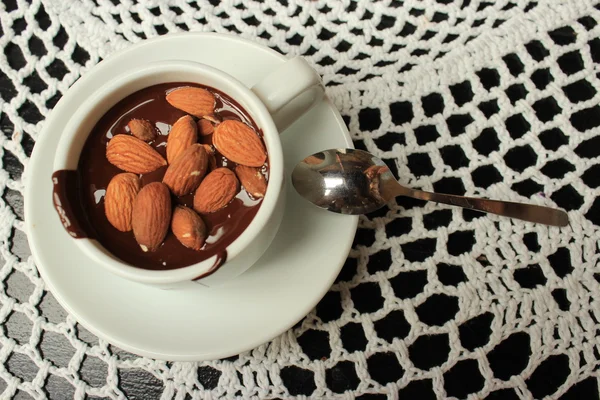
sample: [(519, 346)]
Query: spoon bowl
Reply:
[(339, 181)]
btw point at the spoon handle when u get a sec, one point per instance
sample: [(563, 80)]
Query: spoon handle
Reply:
[(526, 212)]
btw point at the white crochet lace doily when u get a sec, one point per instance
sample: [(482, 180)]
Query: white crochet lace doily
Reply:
[(488, 98)]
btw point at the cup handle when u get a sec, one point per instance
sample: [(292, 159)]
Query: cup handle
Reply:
[(289, 91)]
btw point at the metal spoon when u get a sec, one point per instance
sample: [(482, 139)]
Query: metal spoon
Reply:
[(349, 181)]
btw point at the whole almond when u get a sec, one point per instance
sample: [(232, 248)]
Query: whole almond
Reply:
[(118, 200), (142, 129), (205, 127), (196, 101), (216, 191), (182, 135), (212, 159), (151, 215), (252, 180), (185, 173), (188, 228), (133, 155), (239, 143)]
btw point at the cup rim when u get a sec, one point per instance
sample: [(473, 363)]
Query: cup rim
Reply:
[(94, 249)]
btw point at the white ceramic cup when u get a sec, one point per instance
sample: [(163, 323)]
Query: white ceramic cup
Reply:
[(274, 103)]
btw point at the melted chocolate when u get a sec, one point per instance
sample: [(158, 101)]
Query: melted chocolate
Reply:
[(66, 199), (81, 192), (221, 258)]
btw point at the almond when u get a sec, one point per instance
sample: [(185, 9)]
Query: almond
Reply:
[(182, 135), (252, 180), (142, 129), (133, 155), (216, 191), (188, 228), (212, 159), (239, 143), (151, 215), (209, 149), (193, 100), (118, 200), (205, 127), (185, 173)]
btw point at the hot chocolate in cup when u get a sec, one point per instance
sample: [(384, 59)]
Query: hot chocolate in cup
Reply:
[(237, 233)]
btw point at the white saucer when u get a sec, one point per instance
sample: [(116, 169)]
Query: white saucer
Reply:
[(205, 323)]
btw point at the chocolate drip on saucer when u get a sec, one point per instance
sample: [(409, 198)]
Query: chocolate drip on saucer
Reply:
[(221, 258)]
